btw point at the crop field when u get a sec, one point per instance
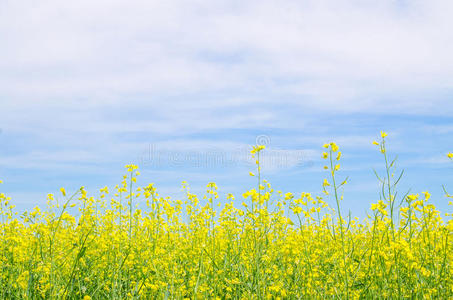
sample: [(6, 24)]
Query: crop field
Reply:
[(264, 244)]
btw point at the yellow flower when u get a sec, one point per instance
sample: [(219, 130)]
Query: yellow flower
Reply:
[(375, 143), (325, 155), (251, 174), (289, 196), (404, 209), (339, 155), (256, 149), (297, 210), (383, 134), (334, 147), (412, 197), (131, 167), (22, 280), (86, 297), (337, 167), (325, 183), (63, 191), (427, 195), (450, 155)]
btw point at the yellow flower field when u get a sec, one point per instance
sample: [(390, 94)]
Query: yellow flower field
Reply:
[(267, 245)]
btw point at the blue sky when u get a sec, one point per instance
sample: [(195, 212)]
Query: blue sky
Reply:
[(89, 86)]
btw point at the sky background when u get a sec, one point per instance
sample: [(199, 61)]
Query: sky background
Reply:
[(183, 88)]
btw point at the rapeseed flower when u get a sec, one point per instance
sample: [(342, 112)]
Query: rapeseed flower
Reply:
[(134, 243)]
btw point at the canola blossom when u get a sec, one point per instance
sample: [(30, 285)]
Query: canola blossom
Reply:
[(129, 242)]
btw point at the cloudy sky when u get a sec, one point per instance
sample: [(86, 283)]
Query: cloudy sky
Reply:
[(182, 88)]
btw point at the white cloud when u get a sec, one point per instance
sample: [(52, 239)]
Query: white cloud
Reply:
[(336, 52)]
